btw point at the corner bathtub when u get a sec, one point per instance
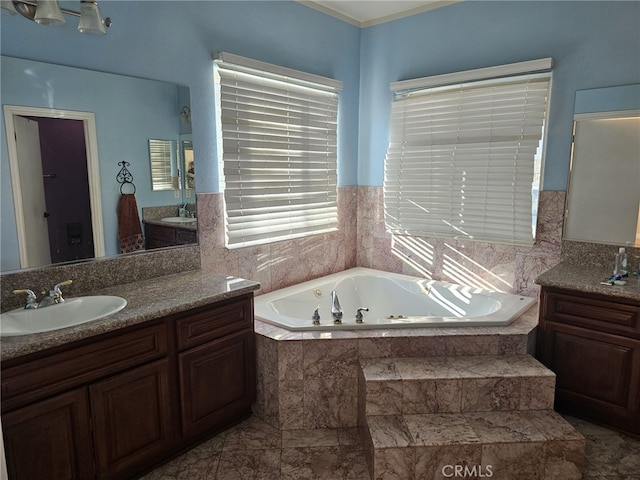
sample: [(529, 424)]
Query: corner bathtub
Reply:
[(393, 300)]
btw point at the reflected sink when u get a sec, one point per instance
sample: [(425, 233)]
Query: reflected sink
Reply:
[(178, 219), (73, 311)]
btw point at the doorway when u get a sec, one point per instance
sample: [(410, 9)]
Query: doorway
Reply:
[(56, 187)]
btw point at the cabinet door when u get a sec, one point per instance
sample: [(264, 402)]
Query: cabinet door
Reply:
[(598, 374), (50, 439), (217, 382), (132, 419)]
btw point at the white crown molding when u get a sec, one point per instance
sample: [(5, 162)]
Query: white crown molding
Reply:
[(431, 5)]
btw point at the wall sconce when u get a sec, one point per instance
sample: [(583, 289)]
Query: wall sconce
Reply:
[(48, 12), (185, 114)]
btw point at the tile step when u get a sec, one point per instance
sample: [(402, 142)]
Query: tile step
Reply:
[(536, 444), (395, 386)]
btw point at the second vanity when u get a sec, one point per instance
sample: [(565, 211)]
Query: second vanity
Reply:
[(117, 396), (589, 336), (159, 234)]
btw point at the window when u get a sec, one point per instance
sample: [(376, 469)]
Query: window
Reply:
[(463, 154), (279, 151)]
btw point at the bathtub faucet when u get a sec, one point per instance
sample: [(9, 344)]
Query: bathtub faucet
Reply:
[(336, 309)]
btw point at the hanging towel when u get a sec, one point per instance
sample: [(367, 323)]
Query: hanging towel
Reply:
[(129, 228)]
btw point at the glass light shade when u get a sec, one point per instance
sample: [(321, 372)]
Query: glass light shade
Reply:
[(90, 19), (7, 6), (48, 13)]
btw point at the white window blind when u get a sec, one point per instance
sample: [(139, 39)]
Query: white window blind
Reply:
[(160, 153), (460, 161), (279, 152)]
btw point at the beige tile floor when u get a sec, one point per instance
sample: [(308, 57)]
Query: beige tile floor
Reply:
[(253, 450)]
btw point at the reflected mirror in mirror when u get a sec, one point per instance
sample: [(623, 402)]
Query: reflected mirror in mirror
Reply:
[(189, 165), (127, 112), (603, 195)]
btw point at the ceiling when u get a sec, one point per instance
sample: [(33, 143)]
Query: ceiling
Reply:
[(364, 13)]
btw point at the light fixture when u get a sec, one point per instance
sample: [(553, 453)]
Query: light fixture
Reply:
[(48, 12), (7, 6), (185, 114), (90, 19)]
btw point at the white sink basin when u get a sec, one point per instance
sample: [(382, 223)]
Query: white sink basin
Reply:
[(73, 311), (178, 219)]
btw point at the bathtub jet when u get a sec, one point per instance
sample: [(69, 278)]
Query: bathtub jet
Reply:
[(371, 299)]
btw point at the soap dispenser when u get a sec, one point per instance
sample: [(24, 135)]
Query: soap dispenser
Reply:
[(620, 267)]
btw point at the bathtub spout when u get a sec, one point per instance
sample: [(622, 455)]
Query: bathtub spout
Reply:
[(336, 309)]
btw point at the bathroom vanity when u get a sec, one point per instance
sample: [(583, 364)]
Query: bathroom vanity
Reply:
[(115, 397), (589, 335)]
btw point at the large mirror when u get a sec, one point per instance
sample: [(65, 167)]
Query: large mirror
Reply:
[(603, 198), (86, 123)]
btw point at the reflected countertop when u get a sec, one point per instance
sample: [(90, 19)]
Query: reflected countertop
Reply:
[(586, 279), (184, 226), (146, 300)]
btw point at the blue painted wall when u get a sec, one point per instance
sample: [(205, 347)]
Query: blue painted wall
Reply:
[(611, 99), (593, 44)]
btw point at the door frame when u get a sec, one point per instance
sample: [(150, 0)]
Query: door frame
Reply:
[(93, 170)]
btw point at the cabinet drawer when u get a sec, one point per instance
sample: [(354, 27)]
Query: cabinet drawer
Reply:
[(37, 379), (210, 323), (185, 237), (592, 313)]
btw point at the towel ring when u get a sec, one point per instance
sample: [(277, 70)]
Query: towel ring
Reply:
[(124, 177)]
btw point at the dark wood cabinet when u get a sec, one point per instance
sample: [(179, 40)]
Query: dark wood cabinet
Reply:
[(158, 236), (132, 419), (216, 366), (592, 343), (217, 382), (50, 439), (118, 404)]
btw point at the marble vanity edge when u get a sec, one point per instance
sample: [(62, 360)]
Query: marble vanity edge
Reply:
[(586, 279), (146, 300)]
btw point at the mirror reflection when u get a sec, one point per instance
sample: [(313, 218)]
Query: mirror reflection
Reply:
[(603, 198), (165, 169), (115, 116)]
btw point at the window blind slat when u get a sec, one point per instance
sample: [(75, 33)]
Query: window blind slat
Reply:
[(460, 160), (279, 142)]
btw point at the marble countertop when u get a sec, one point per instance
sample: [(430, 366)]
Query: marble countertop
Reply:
[(184, 226), (582, 278), (146, 300)]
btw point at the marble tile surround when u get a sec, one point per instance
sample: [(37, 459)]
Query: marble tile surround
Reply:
[(309, 380), (363, 241), (279, 264), (533, 445), (492, 266)]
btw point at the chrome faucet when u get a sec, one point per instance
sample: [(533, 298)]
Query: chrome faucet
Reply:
[(336, 309), (52, 297), (31, 301)]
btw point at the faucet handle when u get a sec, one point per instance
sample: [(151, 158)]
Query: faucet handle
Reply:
[(56, 293), (359, 315), (31, 301), (63, 284), (316, 316)]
